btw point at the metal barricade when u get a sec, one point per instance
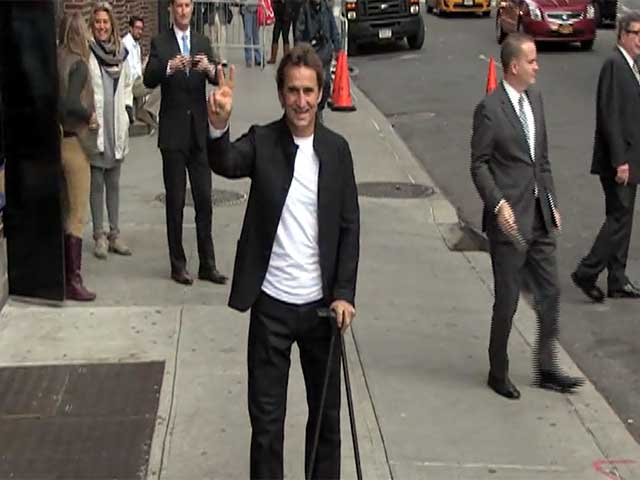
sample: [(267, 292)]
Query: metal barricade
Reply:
[(222, 22)]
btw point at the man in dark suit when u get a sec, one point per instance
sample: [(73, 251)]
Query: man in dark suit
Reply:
[(298, 252), (616, 159), (511, 171), (179, 62)]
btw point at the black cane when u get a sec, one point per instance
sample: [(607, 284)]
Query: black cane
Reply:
[(326, 313), (352, 416), (323, 313)]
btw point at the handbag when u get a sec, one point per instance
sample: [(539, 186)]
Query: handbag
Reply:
[(265, 13)]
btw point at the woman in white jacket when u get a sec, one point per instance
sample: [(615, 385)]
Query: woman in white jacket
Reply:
[(112, 84)]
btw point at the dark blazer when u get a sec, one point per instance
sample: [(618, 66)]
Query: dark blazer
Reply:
[(183, 108), (266, 154), (501, 165), (617, 137)]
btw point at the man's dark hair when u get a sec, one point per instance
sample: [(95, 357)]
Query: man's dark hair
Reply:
[(134, 19), (625, 21), (302, 55), (512, 48)]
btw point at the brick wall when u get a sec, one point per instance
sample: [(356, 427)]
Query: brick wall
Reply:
[(123, 9)]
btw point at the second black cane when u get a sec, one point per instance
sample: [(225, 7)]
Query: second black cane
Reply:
[(352, 416), (323, 313)]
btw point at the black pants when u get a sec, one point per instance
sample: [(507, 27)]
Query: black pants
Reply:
[(175, 165), (510, 265), (611, 247), (282, 23), (274, 327)]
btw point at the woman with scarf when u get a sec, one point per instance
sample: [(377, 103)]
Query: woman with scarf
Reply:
[(112, 84), (77, 120)]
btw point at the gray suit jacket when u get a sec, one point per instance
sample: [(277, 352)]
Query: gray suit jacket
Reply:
[(501, 165)]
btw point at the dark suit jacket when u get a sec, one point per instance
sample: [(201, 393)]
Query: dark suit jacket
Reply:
[(617, 137), (266, 154), (501, 165), (183, 108)]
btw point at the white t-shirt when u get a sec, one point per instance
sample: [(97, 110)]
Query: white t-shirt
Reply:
[(294, 275)]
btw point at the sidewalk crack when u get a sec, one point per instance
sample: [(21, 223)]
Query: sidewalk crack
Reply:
[(170, 418)]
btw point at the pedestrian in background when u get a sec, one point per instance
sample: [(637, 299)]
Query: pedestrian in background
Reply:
[(77, 116), (511, 170), (317, 26), (249, 13), (616, 160), (111, 81), (281, 27), (295, 255), (146, 101), (181, 62)]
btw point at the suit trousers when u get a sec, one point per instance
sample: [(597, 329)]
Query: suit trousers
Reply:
[(611, 247), (175, 164), (510, 266), (274, 326)]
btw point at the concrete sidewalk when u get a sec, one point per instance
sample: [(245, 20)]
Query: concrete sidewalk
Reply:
[(417, 350)]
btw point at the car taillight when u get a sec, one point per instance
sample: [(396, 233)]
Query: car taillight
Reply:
[(350, 8)]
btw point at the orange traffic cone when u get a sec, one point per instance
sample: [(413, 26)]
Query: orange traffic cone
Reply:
[(341, 95), (492, 82)]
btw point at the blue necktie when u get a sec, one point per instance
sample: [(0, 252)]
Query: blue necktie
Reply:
[(185, 44)]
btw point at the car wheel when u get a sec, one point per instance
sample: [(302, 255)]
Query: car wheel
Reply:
[(429, 8), (500, 35), (586, 45), (352, 48), (487, 13), (416, 41), (597, 16)]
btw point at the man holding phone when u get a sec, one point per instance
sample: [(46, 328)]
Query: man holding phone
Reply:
[(181, 62)]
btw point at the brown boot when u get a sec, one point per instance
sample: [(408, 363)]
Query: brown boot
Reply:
[(74, 288), (274, 54)]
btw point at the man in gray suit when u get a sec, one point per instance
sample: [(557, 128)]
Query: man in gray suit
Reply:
[(616, 160), (511, 171)]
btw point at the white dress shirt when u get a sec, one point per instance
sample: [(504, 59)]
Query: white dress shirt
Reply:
[(294, 275), (514, 96), (134, 58), (179, 34), (632, 64)]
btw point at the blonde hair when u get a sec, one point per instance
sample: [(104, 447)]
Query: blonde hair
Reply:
[(73, 35), (108, 9)]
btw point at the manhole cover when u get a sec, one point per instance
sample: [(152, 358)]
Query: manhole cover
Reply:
[(221, 198), (78, 421), (394, 190)]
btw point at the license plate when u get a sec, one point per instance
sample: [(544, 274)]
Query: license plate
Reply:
[(384, 33), (468, 3), (565, 28)]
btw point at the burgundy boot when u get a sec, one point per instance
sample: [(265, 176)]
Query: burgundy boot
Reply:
[(74, 289)]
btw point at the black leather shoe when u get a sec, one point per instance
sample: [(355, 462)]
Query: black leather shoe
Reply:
[(182, 277), (213, 276), (504, 388), (557, 381), (590, 289), (628, 291)]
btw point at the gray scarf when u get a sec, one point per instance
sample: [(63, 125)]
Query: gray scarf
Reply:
[(110, 60)]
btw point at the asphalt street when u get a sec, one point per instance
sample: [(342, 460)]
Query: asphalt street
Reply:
[(429, 96)]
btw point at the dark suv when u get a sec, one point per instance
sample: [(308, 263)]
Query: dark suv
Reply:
[(384, 20)]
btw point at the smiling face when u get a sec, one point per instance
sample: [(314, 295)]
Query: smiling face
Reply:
[(136, 30), (102, 26), (299, 96)]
